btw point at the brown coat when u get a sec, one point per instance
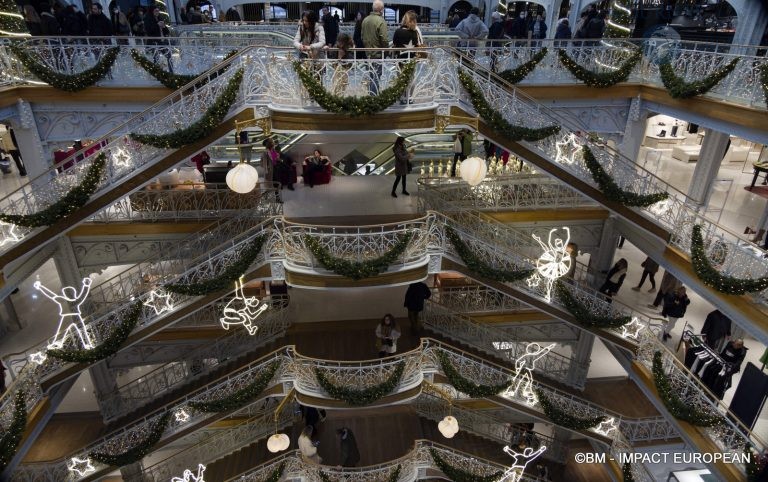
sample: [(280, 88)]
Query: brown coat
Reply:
[(401, 160)]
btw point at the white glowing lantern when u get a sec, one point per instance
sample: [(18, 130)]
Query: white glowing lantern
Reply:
[(278, 442), (243, 178), (473, 170), (448, 427)]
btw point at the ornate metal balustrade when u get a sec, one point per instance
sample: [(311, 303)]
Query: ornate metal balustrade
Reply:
[(476, 299), (648, 429)]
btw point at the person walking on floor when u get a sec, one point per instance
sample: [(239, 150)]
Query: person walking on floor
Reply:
[(387, 335), (307, 447), (350, 455), (614, 279), (402, 159), (650, 268), (668, 285), (414, 301), (675, 304), (458, 149)]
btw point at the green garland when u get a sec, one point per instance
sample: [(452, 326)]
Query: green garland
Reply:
[(680, 89), (68, 83), (365, 396), (496, 121), (582, 313), (753, 468), (241, 397), (626, 472), (9, 441), (763, 69), (464, 385), (350, 105), (76, 198), (232, 273), (276, 474), (138, 451), (393, 477), (11, 20), (612, 191), (477, 265), (600, 80), (520, 72), (204, 126), (460, 475), (170, 80), (678, 408), (563, 419), (357, 270), (108, 347), (711, 277)]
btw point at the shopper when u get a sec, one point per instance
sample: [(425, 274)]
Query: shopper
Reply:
[(284, 169), (312, 165), (49, 24), (374, 33), (496, 35), (350, 455), (668, 285), (466, 144), (414, 302), (734, 352), (312, 416), (675, 304), (307, 447), (596, 27), (330, 27), (405, 36), (614, 279), (563, 31), (650, 268), (244, 144), (357, 34), (269, 159), (402, 159), (310, 37), (98, 23), (473, 30), (387, 335), (537, 30), (716, 327), (458, 150)]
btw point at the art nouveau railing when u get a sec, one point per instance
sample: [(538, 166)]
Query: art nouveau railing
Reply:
[(502, 344), (476, 299)]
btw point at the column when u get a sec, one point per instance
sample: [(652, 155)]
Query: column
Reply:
[(104, 381), (713, 149), (634, 132), (29, 144), (582, 350), (66, 263), (603, 260), (751, 23), (573, 14), (560, 439), (551, 17), (10, 319)]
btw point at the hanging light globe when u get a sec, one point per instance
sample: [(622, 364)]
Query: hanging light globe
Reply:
[(448, 427), (473, 170), (278, 442), (242, 178)]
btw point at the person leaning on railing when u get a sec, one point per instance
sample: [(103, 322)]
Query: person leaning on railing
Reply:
[(310, 36), (374, 33)]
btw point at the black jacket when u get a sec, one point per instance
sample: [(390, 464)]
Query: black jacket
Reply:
[(49, 25), (415, 296), (733, 355), (716, 326), (99, 25), (350, 455), (674, 305)]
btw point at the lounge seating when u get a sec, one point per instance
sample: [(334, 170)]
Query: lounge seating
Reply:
[(686, 153)]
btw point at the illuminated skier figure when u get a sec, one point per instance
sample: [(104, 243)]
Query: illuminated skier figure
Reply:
[(555, 262), (515, 472), (188, 476), (71, 298), (246, 315), (524, 366)]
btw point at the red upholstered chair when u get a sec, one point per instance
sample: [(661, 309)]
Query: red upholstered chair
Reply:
[(321, 177)]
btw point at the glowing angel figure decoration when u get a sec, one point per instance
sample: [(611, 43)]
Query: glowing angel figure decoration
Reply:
[(67, 300), (8, 233), (188, 476), (242, 310), (522, 459), (555, 262), (524, 366)]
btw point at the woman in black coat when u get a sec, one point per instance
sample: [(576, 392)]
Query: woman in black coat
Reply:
[(402, 156), (614, 279), (675, 304)]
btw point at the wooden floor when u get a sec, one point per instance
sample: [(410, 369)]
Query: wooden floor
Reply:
[(63, 433), (574, 472)]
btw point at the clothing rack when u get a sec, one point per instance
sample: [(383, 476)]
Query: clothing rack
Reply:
[(696, 340)]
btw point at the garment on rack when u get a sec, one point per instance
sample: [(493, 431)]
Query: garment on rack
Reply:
[(714, 371)]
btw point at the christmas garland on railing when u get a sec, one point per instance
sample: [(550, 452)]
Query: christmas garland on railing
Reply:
[(76, 198), (203, 127), (563, 419), (365, 396), (680, 89), (677, 407), (626, 472), (763, 69), (600, 80), (240, 397), (171, 80), (72, 82), (350, 105), (275, 475), (462, 384), (232, 273), (477, 265), (9, 441), (393, 477), (460, 475), (582, 313), (108, 347), (138, 451), (713, 278), (357, 270), (612, 191), (520, 72), (753, 468), (496, 121)]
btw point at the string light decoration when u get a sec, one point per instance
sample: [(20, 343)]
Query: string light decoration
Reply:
[(464, 385), (680, 89), (515, 472), (81, 467), (713, 278), (626, 472), (240, 397), (67, 82), (8, 234), (176, 81), (563, 418), (203, 127), (477, 265), (361, 397), (160, 301), (9, 441), (632, 329), (350, 105), (568, 149), (612, 191), (246, 315), (524, 365), (600, 80), (38, 357), (457, 474), (618, 24), (513, 76), (555, 262), (11, 21), (181, 416), (606, 427), (357, 270), (69, 303), (496, 120), (188, 476), (763, 69), (394, 476), (76, 198), (583, 315), (139, 450)]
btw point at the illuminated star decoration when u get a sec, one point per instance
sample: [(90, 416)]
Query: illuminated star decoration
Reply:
[(69, 301), (160, 301), (8, 233), (631, 329), (555, 262), (121, 158), (81, 467), (568, 149), (38, 357), (188, 476), (534, 280), (606, 427), (181, 416), (245, 315), (515, 472)]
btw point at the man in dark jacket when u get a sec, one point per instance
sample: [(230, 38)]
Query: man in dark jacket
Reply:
[(72, 24), (350, 455), (49, 26), (98, 23), (596, 26), (414, 301), (331, 28), (716, 327), (496, 33), (734, 352)]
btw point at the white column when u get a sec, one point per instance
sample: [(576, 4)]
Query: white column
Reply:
[(603, 260), (580, 357), (29, 143), (10, 319), (713, 150), (551, 17), (104, 380), (634, 131), (751, 23)]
